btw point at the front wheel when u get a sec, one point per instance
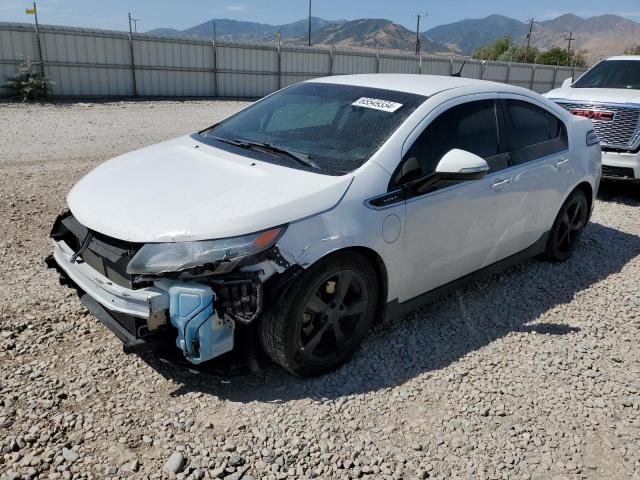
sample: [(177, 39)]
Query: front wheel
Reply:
[(568, 227), (320, 320)]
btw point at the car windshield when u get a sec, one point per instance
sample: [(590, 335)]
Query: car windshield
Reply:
[(612, 74), (321, 127)]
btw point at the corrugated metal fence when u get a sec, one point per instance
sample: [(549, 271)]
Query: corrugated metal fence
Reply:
[(87, 62)]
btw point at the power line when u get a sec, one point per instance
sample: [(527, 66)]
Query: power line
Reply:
[(418, 17)]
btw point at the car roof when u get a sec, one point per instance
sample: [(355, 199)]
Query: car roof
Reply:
[(623, 57), (426, 85)]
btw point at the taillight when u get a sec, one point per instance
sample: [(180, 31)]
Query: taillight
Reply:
[(592, 138)]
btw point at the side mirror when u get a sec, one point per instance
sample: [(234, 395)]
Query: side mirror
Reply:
[(567, 82), (461, 165), (456, 165)]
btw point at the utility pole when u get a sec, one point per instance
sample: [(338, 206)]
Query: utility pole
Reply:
[(309, 22), (526, 50), (417, 17), (569, 38), (135, 24)]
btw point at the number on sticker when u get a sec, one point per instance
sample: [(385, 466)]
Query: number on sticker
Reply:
[(377, 104)]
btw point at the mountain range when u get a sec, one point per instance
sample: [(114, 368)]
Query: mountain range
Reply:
[(600, 36)]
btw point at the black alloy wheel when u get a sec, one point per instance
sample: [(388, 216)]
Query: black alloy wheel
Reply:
[(333, 313), (319, 321), (568, 227)]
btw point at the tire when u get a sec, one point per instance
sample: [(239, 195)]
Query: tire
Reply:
[(567, 227), (316, 323)]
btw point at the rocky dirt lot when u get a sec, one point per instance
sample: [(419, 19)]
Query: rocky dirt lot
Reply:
[(532, 374)]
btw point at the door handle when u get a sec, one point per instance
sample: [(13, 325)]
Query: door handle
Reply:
[(562, 163), (500, 183)]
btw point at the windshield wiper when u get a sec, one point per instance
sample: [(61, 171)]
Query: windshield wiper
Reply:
[(299, 157)]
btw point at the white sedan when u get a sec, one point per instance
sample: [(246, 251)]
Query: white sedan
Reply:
[(321, 208)]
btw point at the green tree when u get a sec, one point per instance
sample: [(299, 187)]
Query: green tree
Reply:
[(506, 50), (558, 56), (498, 49)]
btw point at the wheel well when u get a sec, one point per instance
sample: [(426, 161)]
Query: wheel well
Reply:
[(381, 274), (278, 284), (588, 191)]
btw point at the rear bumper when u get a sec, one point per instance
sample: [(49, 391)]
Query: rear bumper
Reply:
[(621, 165)]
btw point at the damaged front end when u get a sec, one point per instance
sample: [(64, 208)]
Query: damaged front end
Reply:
[(191, 294)]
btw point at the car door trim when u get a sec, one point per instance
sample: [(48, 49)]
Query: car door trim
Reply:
[(505, 171)]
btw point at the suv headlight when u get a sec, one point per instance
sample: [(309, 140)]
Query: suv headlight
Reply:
[(155, 258)]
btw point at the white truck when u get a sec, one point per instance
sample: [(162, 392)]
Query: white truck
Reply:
[(609, 94)]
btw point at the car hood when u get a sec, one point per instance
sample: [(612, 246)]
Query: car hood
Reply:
[(183, 190), (595, 95)]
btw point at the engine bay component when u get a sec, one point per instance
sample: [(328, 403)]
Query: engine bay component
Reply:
[(239, 297), (202, 333)]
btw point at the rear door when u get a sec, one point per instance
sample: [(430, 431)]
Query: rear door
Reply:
[(540, 170)]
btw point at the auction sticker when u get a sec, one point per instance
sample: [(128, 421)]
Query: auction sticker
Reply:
[(377, 104)]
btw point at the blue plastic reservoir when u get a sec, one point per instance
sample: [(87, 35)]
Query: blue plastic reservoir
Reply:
[(202, 334)]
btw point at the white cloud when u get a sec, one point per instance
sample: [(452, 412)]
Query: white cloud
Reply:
[(235, 8)]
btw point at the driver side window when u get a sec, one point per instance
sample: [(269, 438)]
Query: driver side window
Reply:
[(470, 126)]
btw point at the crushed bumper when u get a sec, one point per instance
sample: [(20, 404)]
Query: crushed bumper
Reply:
[(110, 303), (172, 313), (139, 303)]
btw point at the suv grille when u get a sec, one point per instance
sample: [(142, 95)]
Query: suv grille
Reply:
[(621, 132)]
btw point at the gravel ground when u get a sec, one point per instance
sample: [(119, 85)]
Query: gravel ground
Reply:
[(532, 374)]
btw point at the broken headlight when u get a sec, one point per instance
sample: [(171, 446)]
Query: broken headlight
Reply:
[(154, 258)]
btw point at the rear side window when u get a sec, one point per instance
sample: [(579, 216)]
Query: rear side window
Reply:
[(530, 132), (471, 126)]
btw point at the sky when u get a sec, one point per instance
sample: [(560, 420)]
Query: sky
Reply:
[(112, 14)]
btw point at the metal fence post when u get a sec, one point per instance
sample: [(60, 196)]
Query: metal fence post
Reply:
[(451, 67), (331, 62), (555, 77), (533, 77), (377, 62), (214, 65), (39, 44), (279, 61), (508, 74), (133, 63), (420, 64)]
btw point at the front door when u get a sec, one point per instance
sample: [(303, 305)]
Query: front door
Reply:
[(457, 228)]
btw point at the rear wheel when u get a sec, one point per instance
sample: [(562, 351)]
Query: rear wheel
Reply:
[(568, 227), (320, 320)]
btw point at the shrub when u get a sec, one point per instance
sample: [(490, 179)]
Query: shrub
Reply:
[(27, 83)]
